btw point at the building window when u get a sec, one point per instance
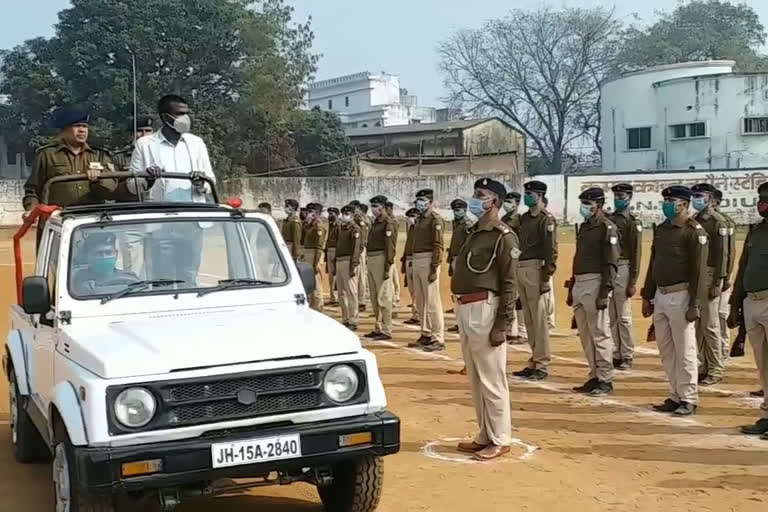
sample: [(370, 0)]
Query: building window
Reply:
[(330, 104), (639, 138), (11, 157), (346, 101), (756, 125), (687, 131)]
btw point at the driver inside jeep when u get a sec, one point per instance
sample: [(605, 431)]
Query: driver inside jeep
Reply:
[(99, 250)]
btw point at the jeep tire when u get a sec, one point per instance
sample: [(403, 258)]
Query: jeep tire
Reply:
[(67, 493), (356, 486), (28, 444)]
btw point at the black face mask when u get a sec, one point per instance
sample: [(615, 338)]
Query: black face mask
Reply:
[(332, 218)]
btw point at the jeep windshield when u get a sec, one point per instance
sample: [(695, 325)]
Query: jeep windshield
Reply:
[(119, 259)]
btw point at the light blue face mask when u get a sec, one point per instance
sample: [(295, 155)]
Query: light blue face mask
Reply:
[(699, 203), (669, 210), (586, 211), (422, 205), (104, 266), (476, 206), (459, 214)]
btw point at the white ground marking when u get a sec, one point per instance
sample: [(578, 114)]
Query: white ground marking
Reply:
[(428, 450)]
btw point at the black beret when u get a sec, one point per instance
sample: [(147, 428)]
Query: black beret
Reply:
[(719, 195), (704, 187), (333, 209), (514, 195), (678, 192), (350, 208), (536, 186), (389, 204), (354, 203), (315, 207), (143, 122), (95, 240), (492, 185), (763, 188), (458, 204), (592, 194), (426, 192), (378, 200), (623, 187), (68, 116), (363, 207), (292, 203), (412, 212)]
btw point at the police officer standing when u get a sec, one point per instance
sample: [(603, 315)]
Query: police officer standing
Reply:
[(362, 221), (538, 259), (673, 286), (330, 253), (630, 244), (725, 296), (750, 295), (389, 207), (427, 256), (594, 274), (382, 244), (122, 158), (406, 265), (291, 229), (485, 287), (708, 335), (347, 262), (511, 215), (316, 233), (516, 334), (461, 225)]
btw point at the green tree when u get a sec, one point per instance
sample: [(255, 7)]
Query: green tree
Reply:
[(320, 138), (695, 31)]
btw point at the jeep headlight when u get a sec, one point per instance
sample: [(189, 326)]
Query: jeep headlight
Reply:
[(135, 407), (341, 383)]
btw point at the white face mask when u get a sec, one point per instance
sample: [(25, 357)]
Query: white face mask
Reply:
[(181, 124), (411, 220), (288, 210), (346, 218)]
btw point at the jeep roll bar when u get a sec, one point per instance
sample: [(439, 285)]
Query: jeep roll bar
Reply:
[(41, 212)]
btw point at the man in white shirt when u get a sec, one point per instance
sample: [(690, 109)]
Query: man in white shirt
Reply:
[(175, 249)]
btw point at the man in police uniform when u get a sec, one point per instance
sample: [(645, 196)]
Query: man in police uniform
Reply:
[(708, 334), (538, 259), (511, 215), (330, 253), (485, 287), (750, 294), (725, 296), (461, 225), (362, 221), (630, 231), (264, 208), (122, 158), (389, 207), (291, 229), (516, 334), (316, 233), (347, 263), (594, 273), (427, 256), (406, 265), (673, 284), (382, 244)]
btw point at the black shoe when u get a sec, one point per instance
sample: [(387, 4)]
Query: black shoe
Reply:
[(538, 375), (435, 346), (616, 363), (709, 381), (602, 389), (757, 394), (702, 376), (758, 429), (372, 334), (382, 337), (455, 328), (624, 365), (412, 321), (669, 405), (423, 340), (352, 327), (345, 324), (685, 409), (525, 372), (361, 308), (587, 386)]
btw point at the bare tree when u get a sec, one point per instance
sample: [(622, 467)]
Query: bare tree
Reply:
[(541, 70)]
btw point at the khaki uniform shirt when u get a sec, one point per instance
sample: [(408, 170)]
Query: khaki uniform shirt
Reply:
[(460, 233), (57, 159), (488, 262), (752, 274), (350, 243), (292, 231), (717, 231), (678, 255), (731, 244), (333, 235), (428, 236), (122, 159), (512, 219), (365, 226), (383, 237), (597, 252), (315, 235), (538, 240), (630, 240)]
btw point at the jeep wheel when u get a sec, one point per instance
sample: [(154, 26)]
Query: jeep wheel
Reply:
[(28, 445), (356, 486), (69, 498)]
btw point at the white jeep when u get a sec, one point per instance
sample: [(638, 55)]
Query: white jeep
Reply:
[(161, 350)]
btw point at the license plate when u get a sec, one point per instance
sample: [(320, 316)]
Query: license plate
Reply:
[(254, 451)]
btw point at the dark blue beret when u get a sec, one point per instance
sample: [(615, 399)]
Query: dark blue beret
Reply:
[(623, 187), (704, 187), (458, 204), (536, 186), (592, 194), (412, 212), (378, 200), (494, 186), (514, 195), (763, 188), (678, 192), (68, 116), (425, 192)]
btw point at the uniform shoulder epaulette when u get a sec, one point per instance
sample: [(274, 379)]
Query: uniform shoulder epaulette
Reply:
[(694, 223), (501, 226), (46, 146)]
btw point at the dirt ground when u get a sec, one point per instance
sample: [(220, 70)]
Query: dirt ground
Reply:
[(573, 452)]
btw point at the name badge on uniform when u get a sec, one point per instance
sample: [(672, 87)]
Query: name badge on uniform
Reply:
[(550, 227), (722, 231), (703, 239), (95, 166)]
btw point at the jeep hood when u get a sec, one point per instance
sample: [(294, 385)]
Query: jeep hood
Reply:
[(162, 343)]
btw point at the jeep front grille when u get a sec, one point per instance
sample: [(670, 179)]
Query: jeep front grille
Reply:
[(230, 409)]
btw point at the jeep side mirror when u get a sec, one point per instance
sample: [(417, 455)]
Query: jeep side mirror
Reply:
[(35, 295), (307, 274)]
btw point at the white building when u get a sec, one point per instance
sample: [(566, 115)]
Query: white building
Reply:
[(365, 100), (698, 115)]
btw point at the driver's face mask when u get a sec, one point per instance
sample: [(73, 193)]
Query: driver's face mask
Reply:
[(104, 261)]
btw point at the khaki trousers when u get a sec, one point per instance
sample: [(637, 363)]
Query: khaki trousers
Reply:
[(430, 305), (756, 322), (486, 370), (549, 298), (331, 255), (362, 285), (316, 297), (415, 311), (516, 328), (620, 313), (347, 283), (396, 285), (709, 340), (725, 333), (594, 327), (676, 338), (381, 292), (535, 313)]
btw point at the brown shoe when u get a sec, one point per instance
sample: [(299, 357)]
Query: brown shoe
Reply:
[(469, 447), (491, 452)]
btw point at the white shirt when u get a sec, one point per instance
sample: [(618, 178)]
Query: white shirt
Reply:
[(190, 154)]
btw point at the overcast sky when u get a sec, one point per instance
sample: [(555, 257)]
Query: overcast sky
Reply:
[(397, 36)]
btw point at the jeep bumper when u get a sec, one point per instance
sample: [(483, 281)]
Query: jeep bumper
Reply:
[(188, 462)]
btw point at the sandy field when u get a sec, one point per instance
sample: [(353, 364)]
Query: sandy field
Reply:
[(573, 453)]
